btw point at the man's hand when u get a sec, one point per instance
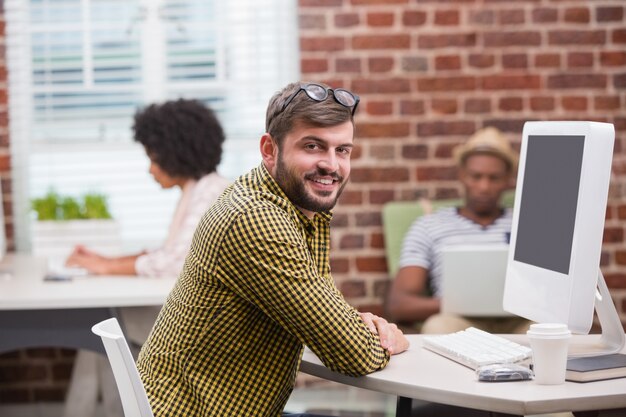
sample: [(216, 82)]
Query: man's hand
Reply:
[(391, 338)]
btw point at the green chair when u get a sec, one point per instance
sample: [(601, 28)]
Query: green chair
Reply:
[(399, 215)]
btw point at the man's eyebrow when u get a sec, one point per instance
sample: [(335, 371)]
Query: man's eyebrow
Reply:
[(323, 142)]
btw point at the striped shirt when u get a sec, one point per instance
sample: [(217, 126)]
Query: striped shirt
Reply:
[(255, 288), (429, 234)]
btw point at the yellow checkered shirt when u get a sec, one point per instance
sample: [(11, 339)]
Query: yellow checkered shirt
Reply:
[(255, 288)]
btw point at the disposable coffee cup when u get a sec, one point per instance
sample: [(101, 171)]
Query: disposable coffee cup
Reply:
[(549, 343)]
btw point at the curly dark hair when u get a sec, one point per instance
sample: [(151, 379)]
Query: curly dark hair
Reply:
[(183, 137)]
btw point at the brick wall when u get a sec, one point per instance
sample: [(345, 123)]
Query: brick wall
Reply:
[(430, 73)]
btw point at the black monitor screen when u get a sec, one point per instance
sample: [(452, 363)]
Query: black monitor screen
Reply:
[(547, 211)]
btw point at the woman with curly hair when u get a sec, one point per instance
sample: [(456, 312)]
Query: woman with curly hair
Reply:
[(183, 140)]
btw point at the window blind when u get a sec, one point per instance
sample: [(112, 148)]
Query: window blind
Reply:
[(79, 69)]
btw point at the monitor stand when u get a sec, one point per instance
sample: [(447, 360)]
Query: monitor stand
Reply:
[(611, 340)]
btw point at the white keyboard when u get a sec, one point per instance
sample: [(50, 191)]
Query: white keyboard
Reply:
[(473, 348)]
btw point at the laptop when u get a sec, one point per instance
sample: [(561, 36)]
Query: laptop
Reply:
[(473, 280)]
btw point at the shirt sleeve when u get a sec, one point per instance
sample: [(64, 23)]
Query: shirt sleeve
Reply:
[(270, 265)]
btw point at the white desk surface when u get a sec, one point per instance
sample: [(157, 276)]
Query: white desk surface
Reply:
[(421, 374), (22, 288)]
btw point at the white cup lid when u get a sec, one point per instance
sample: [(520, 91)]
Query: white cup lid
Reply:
[(548, 329)]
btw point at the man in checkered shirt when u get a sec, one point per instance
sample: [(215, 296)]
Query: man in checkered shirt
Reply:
[(256, 285)]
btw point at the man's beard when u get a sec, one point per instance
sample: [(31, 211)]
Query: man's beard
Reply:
[(295, 187)]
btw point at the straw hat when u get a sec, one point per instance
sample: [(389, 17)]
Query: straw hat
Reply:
[(488, 140)]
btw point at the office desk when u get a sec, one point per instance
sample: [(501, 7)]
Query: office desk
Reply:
[(38, 313), (424, 375)]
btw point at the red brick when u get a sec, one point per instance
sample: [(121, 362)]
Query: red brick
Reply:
[(606, 102), (577, 81), (481, 60), (382, 152), (509, 39), (613, 235), (513, 61), (412, 107), (383, 130), (547, 60), (380, 64), (414, 63), (574, 103), (577, 15), (580, 60), (374, 2), (377, 240), (620, 257), (344, 65), (445, 128), (621, 212), (371, 264), (378, 196), (313, 65), (352, 241), (542, 103), (619, 80), (346, 20), (380, 19), (413, 18), (482, 17), (49, 394), (446, 40), (381, 42), (5, 162), (436, 173), (340, 220), (312, 21), (506, 125), (339, 265), (577, 37), (381, 288), (444, 106), (511, 17), (610, 14), (22, 373), (477, 105), (415, 151), (376, 309), (447, 17), (379, 108), (352, 289), (511, 104), (319, 43), (511, 82), (368, 219), (379, 174), (545, 15), (446, 84), (613, 58), (444, 150), (619, 36), (349, 197), (386, 86), (614, 280), (447, 62)]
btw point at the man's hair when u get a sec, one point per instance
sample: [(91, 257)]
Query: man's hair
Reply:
[(183, 137), (302, 109)]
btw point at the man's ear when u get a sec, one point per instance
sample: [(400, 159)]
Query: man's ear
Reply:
[(269, 151)]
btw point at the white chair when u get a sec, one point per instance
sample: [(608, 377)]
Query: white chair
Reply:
[(132, 393)]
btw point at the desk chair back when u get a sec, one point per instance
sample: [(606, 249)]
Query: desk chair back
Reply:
[(399, 215), (133, 394)]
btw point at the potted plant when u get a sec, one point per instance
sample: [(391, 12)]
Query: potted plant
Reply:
[(62, 222)]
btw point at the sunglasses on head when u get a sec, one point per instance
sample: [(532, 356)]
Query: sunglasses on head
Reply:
[(320, 93)]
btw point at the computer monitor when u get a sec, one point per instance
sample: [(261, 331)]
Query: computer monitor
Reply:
[(553, 271)]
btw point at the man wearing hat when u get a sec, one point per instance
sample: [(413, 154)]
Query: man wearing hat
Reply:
[(486, 166)]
